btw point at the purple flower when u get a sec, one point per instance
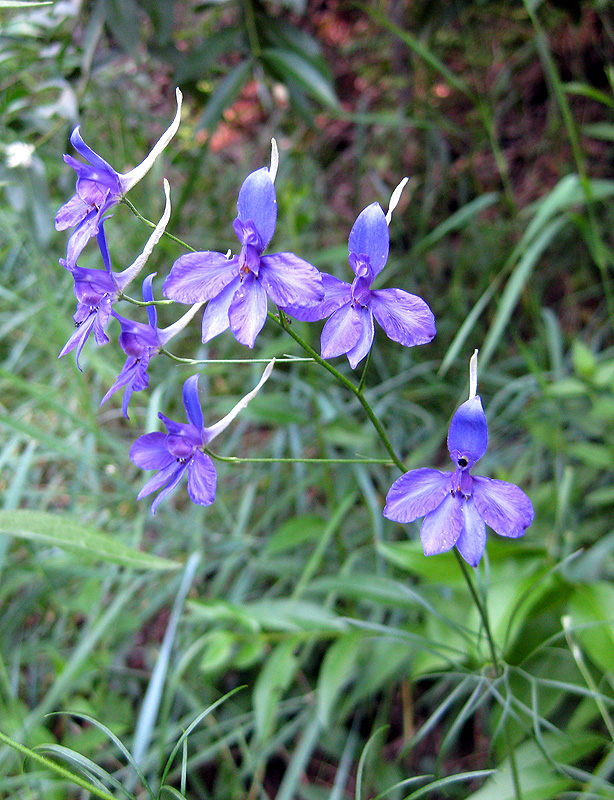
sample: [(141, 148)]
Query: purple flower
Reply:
[(99, 187), (97, 289), (457, 506), (237, 287), (405, 318), (140, 342), (180, 449)]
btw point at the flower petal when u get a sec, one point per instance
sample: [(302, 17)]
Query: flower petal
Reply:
[(71, 213), (196, 277), (472, 540), (191, 402), (90, 155), (416, 494), (79, 338), (405, 317), (170, 487), (257, 202), (214, 430), (248, 310), (129, 179), (215, 318), (442, 526), (468, 434), (86, 230), (341, 332), (290, 281), (370, 237), (149, 451), (365, 340), (336, 294), (125, 376), (503, 506), (202, 479)]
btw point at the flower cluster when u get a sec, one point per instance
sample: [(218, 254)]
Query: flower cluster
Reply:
[(235, 291)]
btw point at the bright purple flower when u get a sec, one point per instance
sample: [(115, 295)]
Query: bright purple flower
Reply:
[(97, 289), (180, 449), (405, 318), (237, 287), (457, 506), (140, 342), (99, 187)]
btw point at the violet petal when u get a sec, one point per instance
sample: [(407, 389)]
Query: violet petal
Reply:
[(202, 479), (169, 488), (248, 310), (442, 526), (365, 340), (149, 451), (257, 202), (336, 294), (215, 318), (472, 540), (416, 494), (503, 506), (370, 237), (405, 317), (191, 402), (468, 434), (290, 281), (341, 332), (197, 277)]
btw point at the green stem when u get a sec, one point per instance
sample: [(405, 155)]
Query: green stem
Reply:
[(483, 612), (240, 460), (363, 377), (151, 224), (57, 768), (194, 361), (283, 323), (143, 303)]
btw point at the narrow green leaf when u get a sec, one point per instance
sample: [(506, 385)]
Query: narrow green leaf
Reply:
[(290, 65), (224, 95), (59, 530), (338, 668)]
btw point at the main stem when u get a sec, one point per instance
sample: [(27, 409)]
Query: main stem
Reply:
[(483, 612), (356, 391)]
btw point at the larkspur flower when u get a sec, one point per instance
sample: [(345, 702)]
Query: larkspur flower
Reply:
[(237, 287), (140, 343), (457, 506), (405, 317), (99, 187), (97, 289), (180, 449)]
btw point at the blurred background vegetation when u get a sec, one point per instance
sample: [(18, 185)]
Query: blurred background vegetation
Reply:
[(502, 116)]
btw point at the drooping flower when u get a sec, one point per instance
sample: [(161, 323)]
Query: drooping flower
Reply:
[(180, 449), (457, 506), (99, 187), (97, 289), (237, 287), (140, 342), (405, 317)]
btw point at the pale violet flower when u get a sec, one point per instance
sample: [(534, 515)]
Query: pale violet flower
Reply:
[(99, 187), (179, 451), (352, 307), (457, 506)]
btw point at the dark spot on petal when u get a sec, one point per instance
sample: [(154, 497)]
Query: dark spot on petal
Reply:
[(462, 462)]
